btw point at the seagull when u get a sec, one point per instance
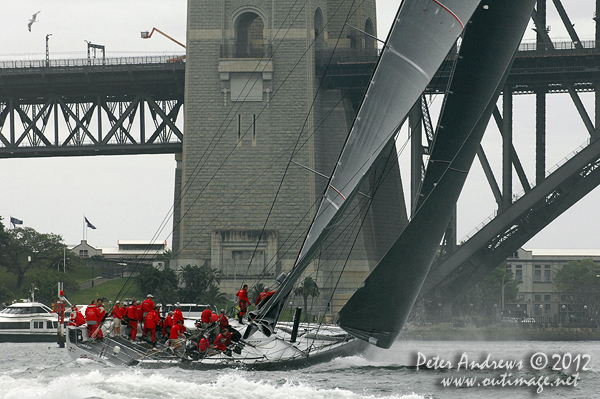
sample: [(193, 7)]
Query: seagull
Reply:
[(32, 20)]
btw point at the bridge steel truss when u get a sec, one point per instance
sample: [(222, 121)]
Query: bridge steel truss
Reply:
[(547, 69), (127, 107)]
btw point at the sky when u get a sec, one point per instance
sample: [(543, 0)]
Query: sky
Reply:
[(129, 197)]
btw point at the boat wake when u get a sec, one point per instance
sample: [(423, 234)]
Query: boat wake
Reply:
[(181, 384)]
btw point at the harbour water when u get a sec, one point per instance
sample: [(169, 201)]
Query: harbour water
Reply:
[(42, 370)]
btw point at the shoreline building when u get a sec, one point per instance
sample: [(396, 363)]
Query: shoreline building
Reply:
[(534, 272), (262, 134)]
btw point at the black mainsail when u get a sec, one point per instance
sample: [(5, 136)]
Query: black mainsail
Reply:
[(378, 310), (423, 33)]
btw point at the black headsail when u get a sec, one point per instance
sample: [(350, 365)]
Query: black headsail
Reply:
[(378, 310), (423, 33)]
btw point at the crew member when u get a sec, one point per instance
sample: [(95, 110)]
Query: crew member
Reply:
[(101, 310), (92, 318), (177, 315), (117, 315), (140, 315), (221, 341), (243, 301), (150, 326), (167, 325), (205, 347), (77, 318), (206, 318), (133, 319), (223, 322), (147, 305), (175, 338), (263, 297)]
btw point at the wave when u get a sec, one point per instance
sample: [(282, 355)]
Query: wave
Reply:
[(175, 383)]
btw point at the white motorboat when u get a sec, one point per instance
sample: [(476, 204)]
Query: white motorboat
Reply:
[(28, 321)]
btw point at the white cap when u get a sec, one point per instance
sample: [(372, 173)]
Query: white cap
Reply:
[(150, 296)]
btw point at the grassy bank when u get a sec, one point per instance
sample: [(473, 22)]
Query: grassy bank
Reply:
[(111, 290)]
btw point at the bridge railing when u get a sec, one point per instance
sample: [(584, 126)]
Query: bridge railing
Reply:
[(587, 46), (161, 59)]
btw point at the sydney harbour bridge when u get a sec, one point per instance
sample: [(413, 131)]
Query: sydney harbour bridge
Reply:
[(120, 106)]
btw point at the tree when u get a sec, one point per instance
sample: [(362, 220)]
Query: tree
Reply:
[(46, 284), (161, 283), (307, 288), (487, 293), (580, 282), (214, 296), (196, 281), (255, 292), (26, 249)]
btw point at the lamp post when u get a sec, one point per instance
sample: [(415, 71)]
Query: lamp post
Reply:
[(48, 49), (503, 285)]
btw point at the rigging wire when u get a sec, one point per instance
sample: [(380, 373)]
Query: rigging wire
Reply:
[(199, 164)]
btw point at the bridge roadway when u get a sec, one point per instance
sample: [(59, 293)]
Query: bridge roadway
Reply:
[(47, 109)]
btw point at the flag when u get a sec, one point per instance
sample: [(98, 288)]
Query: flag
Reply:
[(91, 226), (15, 221)]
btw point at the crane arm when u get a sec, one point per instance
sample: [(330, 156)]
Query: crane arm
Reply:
[(146, 35)]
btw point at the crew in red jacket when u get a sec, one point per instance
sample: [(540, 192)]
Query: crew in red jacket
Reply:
[(140, 315), (177, 315), (176, 336), (223, 322), (92, 318), (206, 317), (150, 326), (221, 341), (117, 315), (167, 325), (205, 347), (263, 296), (77, 318), (133, 319), (101, 310), (147, 305), (243, 301)]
